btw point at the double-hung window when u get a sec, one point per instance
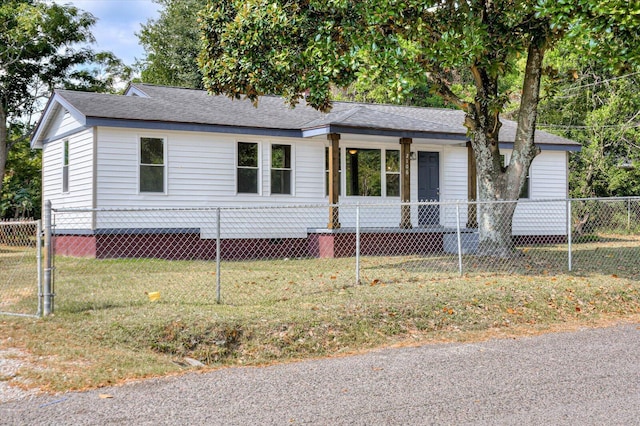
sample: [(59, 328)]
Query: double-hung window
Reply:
[(152, 165), (392, 172), (247, 168), (65, 166), (280, 169)]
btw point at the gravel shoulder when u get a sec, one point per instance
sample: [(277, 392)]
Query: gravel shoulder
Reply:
[(11, 360)]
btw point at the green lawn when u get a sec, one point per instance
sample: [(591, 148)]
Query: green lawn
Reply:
[(106, 329)]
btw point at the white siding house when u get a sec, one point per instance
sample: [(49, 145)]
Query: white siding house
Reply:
[(171, 148)]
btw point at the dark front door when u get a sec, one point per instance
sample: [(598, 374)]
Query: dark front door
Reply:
[(428, 187)]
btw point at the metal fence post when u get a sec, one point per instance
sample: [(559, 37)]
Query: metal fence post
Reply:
[(357, 243), (39, 265), (459, 238), (218, 255), (569, 231), (48, 252), (628, 214)]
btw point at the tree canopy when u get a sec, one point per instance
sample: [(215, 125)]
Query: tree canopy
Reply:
[(601, 110), (172, 44), (254, 47), (42, 46)]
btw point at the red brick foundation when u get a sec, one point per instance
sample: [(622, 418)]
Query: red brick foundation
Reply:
[(189, 246)]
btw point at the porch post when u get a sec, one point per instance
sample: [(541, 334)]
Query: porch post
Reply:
[(334, 180), (472, 191), (405, 182)]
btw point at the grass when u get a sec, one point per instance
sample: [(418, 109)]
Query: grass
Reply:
[(106, 330)]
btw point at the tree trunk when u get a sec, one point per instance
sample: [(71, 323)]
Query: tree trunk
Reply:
[(496, 207), (499, 186)]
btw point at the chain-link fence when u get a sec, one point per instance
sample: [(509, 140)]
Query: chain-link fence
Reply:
[(234, 255), (20, 276)]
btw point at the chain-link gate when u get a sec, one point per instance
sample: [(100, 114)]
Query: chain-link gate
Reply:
[(20, 266)]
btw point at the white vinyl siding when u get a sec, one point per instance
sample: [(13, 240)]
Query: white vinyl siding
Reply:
[(453, 184), (80, 180), (63, 124), (79, 194), (80, 191), (202, 173), (548, 181)]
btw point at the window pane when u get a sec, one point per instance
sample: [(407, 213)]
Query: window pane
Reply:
[(248, 181), (363, 172), (65, 179), (247, 154), (151, 151), (281, 181), (393, 185), (151, 178), (281, 156), (393, 160), (65, 166), (66, 153)]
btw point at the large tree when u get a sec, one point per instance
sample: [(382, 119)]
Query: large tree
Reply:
[(41, 47), (253, 47), (171, 44)]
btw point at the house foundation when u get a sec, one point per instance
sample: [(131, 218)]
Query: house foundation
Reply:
[(320, 243)]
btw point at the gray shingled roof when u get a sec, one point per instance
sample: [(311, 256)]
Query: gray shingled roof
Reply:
[(188, 106)]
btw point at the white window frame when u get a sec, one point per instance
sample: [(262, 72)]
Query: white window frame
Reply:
[(346, 157), (290, 169), (165, 164), (258, 167), (344, 153), (66, 159), (386, 173)]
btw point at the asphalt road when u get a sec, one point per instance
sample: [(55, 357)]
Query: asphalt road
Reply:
[(588, 377)]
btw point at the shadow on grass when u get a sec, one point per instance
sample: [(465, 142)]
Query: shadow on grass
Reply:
[(78, 307), (531, 262), (620, 262), (589, 259)]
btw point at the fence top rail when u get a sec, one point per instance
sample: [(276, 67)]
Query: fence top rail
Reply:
[(348, 204), (631, 198), (6, 222)]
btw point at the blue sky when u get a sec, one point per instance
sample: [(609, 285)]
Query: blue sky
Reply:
[(118, 21)]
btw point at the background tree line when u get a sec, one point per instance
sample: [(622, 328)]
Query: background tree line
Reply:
[(43, 46)]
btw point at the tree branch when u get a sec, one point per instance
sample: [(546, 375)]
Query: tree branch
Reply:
[(443, 89)]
